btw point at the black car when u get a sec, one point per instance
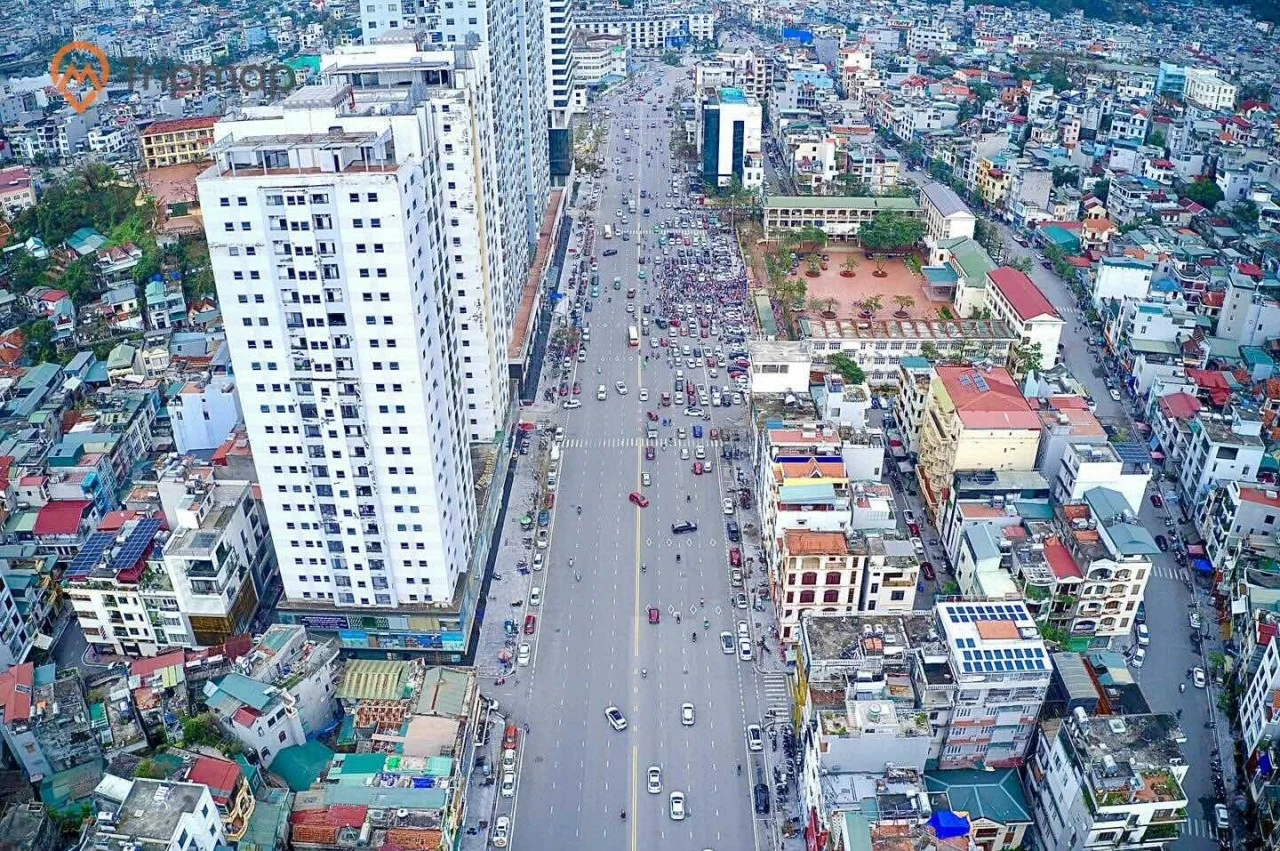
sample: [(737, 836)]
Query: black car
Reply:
[(610, 252), (1162, 543), (762, 798), (735, 534), (683, 526)]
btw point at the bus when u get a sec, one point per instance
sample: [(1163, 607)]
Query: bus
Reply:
[(633, 336), (608, 231)]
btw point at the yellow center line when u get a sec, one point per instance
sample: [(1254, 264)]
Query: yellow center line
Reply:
[(635, 791)]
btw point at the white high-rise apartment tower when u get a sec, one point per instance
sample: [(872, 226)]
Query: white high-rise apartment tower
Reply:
[(561, 77), (485, 286), (515, 33), (327, 220)]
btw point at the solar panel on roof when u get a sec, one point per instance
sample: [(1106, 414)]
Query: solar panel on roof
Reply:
[(89, 554), (142, 536), (980, 383)]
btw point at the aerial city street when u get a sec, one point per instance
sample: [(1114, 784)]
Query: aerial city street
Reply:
[(579, 424)]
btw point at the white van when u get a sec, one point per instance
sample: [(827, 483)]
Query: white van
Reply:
[(602, 393)]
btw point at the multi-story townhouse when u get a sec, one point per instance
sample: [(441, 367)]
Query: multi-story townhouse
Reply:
[(945, 217), (976, 419), (1113, 782), (1013, 298)]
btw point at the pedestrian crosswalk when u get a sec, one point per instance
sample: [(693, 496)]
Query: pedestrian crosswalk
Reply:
[(1168, 571), (777, 694), (1202, 828), (630, 442)]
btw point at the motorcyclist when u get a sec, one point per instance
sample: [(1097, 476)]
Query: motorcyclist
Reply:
[(624, 815), (677, 558), (695, 635)]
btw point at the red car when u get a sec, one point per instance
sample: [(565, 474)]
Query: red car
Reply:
[(697, 468), (927, 571), (648, 453), (639, 499), (1157, 500), (654, 615), (735, 557), (530, 624), (577, 388)]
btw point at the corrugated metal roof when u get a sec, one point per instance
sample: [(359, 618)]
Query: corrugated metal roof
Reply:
[(371, 679)]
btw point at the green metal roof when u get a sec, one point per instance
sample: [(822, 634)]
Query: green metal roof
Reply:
[(300, 766), (991, 795), (818, 493), (249, 692), (974, 262)]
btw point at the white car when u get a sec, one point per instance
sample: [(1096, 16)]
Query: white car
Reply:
[(677, 806), (1144, 635), (522, 654), (699, 452), (616, 719), (744, 631), (645, 480), (572, 404), (644, 394), (1139, 658), (542, 539), (655, 780), (1194, 619), (726, 643), (1198, 677), (1221, 817), (501, 831), (744, 649), (538, 561), (535, 596), (509, 784), (621, 388), (686, 714), (755, 738), (582, 355), (1114, 394), (728, 506)]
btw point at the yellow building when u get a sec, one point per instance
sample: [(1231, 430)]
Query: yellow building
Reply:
[(974, 419), (183, 140), (993, 182)]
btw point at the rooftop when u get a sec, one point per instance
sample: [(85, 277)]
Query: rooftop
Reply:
[(838, 202), (1022, 293), (154, 809), (987, 398), (944, 199), (1128, 759), (984, 795), (851, 638), (992, 638)]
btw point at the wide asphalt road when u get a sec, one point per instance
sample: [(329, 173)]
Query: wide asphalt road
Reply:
[(577, 774)]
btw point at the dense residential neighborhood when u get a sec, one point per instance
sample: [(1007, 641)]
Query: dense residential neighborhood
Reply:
[(936, 384)]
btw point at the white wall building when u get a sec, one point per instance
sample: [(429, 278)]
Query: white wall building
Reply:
[(203, 413), (728, 139), (650, 29), (598, 57), (1121, 278), (1002, 673), (332, 271), (1108, 782), (1013, 298), (1206, 89), (158, 814), (1086, 466)]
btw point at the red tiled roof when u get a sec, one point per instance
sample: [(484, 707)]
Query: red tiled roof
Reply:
[(1061, 562), (1025, 297), (800, 543), (1000, 406), (219, 775), (146, 667), (61, 518), (115, 520), (347, 815), (15, 692), (1181, 406), (178, 125), (245, 716)]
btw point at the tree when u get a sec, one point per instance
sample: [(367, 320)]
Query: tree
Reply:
[(847, 367), (891, 231), (929, 351), (1026, 358), (813, 265), (851, 186), (1245, 214), (872, 305), (793, 293), (1204, 192), (671, 58), (1157, 139), (807, 238), (904, 302), (1022, 264), (850, 265), (1063, 175), (1101, 189)]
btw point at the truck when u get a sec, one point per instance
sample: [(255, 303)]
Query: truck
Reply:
[(608, 231)]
